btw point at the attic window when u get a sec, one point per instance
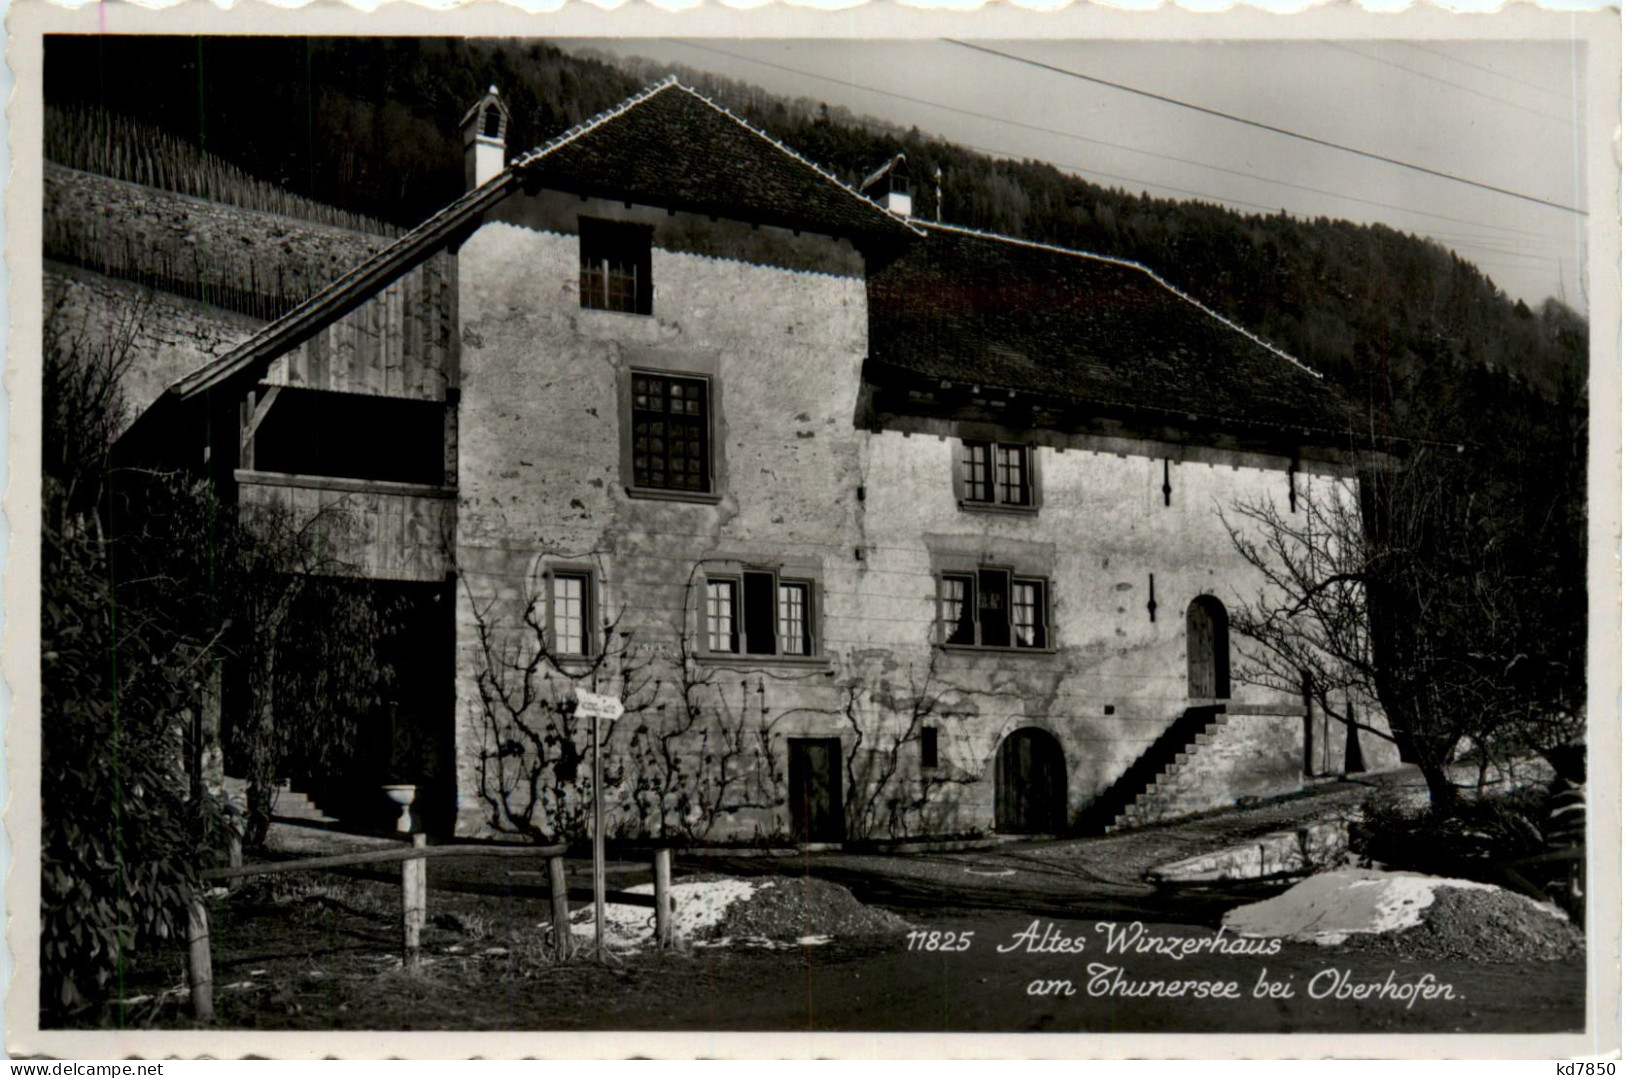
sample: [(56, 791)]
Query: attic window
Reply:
[(615, 266)]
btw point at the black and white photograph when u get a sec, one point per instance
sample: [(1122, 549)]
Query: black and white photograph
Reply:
[(716, 533)]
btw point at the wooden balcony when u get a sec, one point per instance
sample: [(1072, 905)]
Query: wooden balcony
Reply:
[(380, 530)]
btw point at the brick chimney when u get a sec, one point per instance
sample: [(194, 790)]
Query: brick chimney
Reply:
[(485, 139)]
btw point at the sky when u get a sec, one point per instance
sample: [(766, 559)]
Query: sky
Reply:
[(1501, 114)]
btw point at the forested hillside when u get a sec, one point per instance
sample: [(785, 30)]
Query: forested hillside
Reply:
[(1420, 338), (371, 126)]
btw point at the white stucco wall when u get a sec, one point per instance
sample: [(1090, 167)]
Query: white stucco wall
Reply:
[(778, 321)]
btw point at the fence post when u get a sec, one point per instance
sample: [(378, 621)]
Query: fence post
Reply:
[(234, 852), (414, 900), (663, 926), (199, 967), (559, 892)]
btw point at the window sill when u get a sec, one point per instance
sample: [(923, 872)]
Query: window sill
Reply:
[(657, 494), (978, 649), (613, 311), (994, 507), (729, 658)]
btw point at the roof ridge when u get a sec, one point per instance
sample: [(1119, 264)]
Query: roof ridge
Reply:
[(596, 121), (831, 177), (1143, 268), (385, 253)]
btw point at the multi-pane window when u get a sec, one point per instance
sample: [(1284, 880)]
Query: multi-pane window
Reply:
[(671, 433), (564, 611), (795, 620), (615, 266), (721, 606), (1026, 614), (992, 608), (996, 473), (759, 614)]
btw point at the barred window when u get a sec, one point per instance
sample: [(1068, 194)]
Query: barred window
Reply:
[(671, 433)]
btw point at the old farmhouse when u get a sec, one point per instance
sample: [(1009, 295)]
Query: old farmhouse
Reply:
[(876, 526)]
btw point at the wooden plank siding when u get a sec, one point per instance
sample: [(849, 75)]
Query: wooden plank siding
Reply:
[(399, 343), (383, 531)]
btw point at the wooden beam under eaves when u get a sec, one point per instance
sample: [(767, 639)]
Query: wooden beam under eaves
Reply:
[(254, 413)]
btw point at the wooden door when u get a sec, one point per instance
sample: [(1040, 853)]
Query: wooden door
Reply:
[(815, 789), (1030, 784), (1207, 649)]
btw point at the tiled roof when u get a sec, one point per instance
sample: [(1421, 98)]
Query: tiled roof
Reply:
[(968, 307), (673, 147), (667, 146)]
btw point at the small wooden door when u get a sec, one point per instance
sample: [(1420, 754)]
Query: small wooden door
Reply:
[(815, 789), (1207, 649), (1030, 784)]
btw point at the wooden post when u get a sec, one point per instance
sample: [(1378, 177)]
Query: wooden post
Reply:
[(559, 891), (597, 840), (663, 911), (414, 900), (1308, 725), (234, 851), (199, 967)]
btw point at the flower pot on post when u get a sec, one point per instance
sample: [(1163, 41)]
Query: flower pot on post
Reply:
[(403, 794)]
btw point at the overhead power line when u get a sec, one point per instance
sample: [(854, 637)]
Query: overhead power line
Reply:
[(1006, 121), (1448, 82), (1488, 70), (1287, 132)]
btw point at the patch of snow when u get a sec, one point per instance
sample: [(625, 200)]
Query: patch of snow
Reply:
[(1328, 908), (991, 871), (698, 905)]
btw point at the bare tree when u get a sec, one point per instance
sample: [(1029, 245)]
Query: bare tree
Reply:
[(532, 762), (1401, 589)]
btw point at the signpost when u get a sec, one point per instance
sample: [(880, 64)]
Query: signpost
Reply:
[(597, 706)]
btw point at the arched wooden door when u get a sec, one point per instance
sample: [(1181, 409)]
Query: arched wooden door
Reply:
[(1207, 648), (1029, 784)]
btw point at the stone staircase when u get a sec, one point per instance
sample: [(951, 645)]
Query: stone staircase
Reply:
[(286, 804), (1157, 765)]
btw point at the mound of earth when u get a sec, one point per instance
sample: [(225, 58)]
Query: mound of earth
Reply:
[(1484, 926), (798, 909), (714, 910), (1413, 915)]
